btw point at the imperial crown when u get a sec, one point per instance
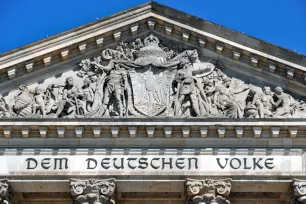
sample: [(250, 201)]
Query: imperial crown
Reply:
[(151, 48)]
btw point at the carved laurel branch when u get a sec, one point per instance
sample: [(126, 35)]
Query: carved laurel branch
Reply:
[(199, 187)]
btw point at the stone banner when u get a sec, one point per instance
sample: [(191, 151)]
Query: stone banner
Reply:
[(151, 165)]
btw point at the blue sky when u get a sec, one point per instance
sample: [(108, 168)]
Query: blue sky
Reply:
[(281, 22)]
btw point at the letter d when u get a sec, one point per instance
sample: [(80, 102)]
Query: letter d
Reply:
[(89, 162), (29, 162)]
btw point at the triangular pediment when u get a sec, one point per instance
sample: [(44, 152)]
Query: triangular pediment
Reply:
[(149, 63)]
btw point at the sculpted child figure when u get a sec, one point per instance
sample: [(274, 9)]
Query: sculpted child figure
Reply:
[(39, 101)]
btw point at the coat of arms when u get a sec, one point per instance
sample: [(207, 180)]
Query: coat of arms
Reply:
[(149, 78)]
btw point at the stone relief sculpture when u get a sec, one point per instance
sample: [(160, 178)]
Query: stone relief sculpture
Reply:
[(93, 191), (208, 191), (299, 191), (5, 193), (144, 78)]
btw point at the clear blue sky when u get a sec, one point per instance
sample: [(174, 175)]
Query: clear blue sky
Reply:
[(281, 22)]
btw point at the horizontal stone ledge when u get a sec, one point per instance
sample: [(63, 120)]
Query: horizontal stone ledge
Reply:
[(187, 151), (155, 122), (150, 179), (157, 185), (153, 129)]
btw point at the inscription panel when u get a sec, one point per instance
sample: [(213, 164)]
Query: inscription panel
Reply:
[(151, 165)]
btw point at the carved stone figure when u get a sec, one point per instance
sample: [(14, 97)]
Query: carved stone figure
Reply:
[(189, 87), (86, 95), (283, 103), (22, 102), (5, 194), (150, 77), (208, 191), (116, 84), (39, 102), (93, 191), (4, 108), (226, 104), (266, 100), (299, 192), (254, 106), (68, 101)]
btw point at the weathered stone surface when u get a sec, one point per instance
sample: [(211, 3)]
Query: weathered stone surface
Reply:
[(93, 191), (299, 191), (149, 78), (5, 193), (208, 191)]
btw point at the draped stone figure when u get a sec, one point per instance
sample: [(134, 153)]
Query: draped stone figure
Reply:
[(190, 90), (146, 78)]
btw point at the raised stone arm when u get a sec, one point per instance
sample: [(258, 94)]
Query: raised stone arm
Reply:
[(191, 54), (106, 68)]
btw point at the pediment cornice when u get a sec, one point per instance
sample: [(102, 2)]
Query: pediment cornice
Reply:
[(172, 22), (150, 65)]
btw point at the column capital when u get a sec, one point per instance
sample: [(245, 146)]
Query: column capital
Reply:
[(5, 193), (299, 191), (208, 191), (93, 191)]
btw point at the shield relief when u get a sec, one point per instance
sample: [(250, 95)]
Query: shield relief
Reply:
[(151, 89)]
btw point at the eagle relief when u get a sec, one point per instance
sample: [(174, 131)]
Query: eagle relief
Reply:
[(144, 78)]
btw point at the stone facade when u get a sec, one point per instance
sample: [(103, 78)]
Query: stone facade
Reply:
[(152, 105)]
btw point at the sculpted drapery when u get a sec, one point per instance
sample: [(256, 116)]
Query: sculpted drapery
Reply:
[(144, 78)]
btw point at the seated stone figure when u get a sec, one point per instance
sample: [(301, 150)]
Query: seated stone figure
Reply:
[(68, 102), (226, 104), (283, 103), (254, 106)]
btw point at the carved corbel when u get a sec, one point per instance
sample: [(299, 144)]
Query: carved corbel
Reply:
[(93, 191), (208, 191), (5, 193), (298, 191)]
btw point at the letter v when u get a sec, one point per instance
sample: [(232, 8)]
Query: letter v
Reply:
[(220, 165)]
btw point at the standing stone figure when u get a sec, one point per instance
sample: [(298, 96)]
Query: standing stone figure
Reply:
[(116, 84), (188, 88), (85, 97), (39, 102), (266, 100)]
